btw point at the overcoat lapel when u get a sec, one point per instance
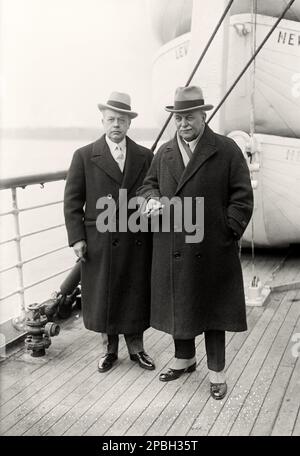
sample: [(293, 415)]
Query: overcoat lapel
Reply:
[(204, 150), (174, 160), (103, 159), (133, 165)]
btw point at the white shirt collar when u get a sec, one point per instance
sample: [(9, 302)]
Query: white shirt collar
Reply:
[(193, 143), (112, 147), (184, 155)]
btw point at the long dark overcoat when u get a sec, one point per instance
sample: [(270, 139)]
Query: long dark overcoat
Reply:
[(115, 278), (199, 286)]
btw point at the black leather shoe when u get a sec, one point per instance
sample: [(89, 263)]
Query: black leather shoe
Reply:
[(144, 360), (173, 374), (218, 390), (107, 361)]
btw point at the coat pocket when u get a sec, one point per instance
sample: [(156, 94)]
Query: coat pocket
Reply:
[(90, 222), (227, 227)]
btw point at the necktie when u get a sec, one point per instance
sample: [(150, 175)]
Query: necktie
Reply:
[(187, 149), (120, 158)]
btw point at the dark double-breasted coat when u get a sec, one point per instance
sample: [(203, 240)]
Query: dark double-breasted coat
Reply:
[(199, 286), (115, 278)]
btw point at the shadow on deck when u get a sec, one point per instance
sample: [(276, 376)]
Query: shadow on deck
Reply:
[(63, 393)]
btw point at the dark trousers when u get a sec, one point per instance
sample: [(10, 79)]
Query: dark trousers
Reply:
[(134, 343), (214, 345)]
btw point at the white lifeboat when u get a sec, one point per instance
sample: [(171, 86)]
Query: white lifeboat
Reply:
[(267, 8), (277, 77), (275, 166), (275, 170), (170, 18)]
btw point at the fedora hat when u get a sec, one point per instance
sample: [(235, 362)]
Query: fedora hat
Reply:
[(119, 102), (188, 99)]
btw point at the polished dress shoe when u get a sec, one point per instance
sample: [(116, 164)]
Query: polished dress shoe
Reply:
[(107, 361), (144, 360), (173, 374), (218, 390)]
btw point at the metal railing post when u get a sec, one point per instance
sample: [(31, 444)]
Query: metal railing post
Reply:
[(18, 322), (13, 183)]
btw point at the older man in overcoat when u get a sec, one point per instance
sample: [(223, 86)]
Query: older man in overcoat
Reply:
[(197, 285), (115, 263)]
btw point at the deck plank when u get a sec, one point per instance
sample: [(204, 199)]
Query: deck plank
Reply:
[(8, 373), (264, 423), (289, 273), (289, 409), (210, 416), (90, 407), (243, 384), (77, 370), (63, 394), (43, 379), (290, 405), (260, 387), (63, 409), (189, 387), (296, 430), (70, 343), (141, 422), (194, 387), (192, 407), (106, 409), (269, 410)]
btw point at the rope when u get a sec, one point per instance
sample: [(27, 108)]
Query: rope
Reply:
[(252, 125)]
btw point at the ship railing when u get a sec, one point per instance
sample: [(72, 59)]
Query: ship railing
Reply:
[(14, 184)]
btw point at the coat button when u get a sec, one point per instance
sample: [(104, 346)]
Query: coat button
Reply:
[(198, 255), (177, 255), (115, 242), (138, 242)]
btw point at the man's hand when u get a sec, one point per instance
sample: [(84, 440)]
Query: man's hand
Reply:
[(153, 207), (80, 248)]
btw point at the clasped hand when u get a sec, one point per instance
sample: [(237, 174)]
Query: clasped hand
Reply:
[(80, 249), (153, 207)]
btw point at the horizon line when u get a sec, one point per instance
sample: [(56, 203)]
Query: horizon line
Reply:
[(56, 133)]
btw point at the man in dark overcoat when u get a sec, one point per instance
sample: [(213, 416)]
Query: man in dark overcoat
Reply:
[(197, 285), (115, 263)]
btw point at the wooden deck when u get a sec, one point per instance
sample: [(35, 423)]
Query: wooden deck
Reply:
[(63, 394)]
